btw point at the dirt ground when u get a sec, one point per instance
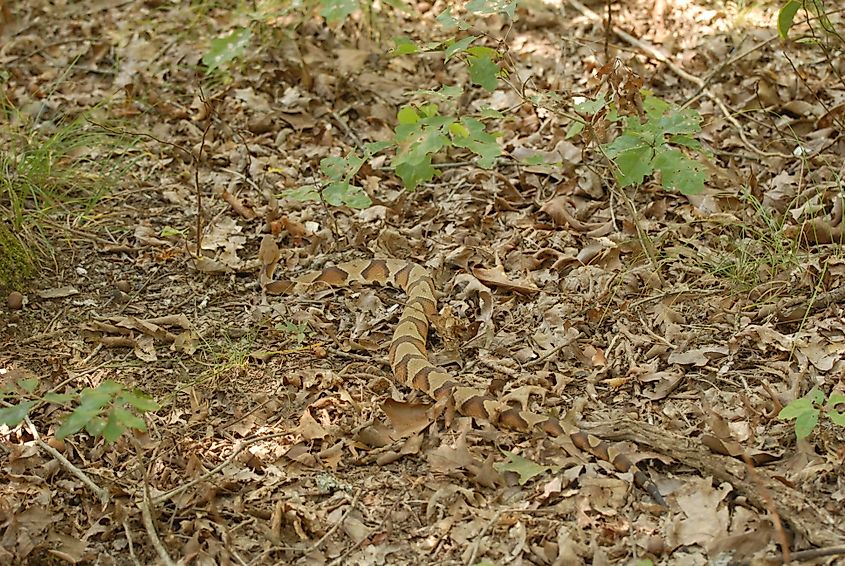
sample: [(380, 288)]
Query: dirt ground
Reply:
[(677, 334)]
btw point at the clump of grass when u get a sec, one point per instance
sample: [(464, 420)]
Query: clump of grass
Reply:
[(52, 166)]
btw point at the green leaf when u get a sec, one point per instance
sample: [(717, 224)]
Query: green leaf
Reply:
[(225, 49), (341, 168), (623, 143), (113, 428), (431, 141), (804, 411), (679, 172), (95, 426), (403, 46), (407, 115), (338, 10), (633, 165), (836, 409), (431, 46), (406, 132), (450, 91), (333, 167), (108, 387), (786, 15), (458, 47), (59, 398), (334, 193), (14, 415), (170, 232), (491, 113), (654, 107), (487, 7), (140, 401), (357, 197), (373, 148), (484, 72), (796, 408), (28, 384), (534, 160), (590, 107), (449, 22), (127, 419), (574, 129), (415, 173), (343, 193), (429, 110), (79, 418), (303, 193), (100, 396), (299, 331), (806, 423), (680, 122), (458, 130), (479, 141), (94, 401), (523, 467), (685, 141)]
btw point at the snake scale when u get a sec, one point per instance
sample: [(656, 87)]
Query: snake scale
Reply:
[(411, 368)]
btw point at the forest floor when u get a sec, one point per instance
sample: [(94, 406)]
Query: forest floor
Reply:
[(675, 326)]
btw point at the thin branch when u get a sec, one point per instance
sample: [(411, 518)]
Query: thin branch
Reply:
[(101, 493)]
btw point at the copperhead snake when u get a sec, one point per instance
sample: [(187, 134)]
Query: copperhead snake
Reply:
[(411, 367)]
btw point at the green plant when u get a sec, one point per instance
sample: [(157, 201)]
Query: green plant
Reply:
[(226, 49), (298, 331), (422, 132), (814, 8), (106, 411), (339, 189), (652, 140), (51, 164), (273, 13), (756, 250), (806, 410)]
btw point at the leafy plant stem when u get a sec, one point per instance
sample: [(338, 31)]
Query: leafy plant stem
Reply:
[(642, 235)]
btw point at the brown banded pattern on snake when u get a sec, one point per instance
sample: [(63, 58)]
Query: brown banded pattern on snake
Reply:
[(410, 365)]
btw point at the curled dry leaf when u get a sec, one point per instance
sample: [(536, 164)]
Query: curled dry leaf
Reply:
[(496, 277), (208, 265)]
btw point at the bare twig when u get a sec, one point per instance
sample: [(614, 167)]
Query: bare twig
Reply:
[(240, 448), (101, 493), (197, 160), (480, 537), (337, 525), (149, 525)]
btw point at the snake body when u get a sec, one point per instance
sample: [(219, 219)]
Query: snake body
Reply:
[(411, 367)]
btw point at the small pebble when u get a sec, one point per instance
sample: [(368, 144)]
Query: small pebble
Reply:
[(260, 124), (119, 296), (14, 300)]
